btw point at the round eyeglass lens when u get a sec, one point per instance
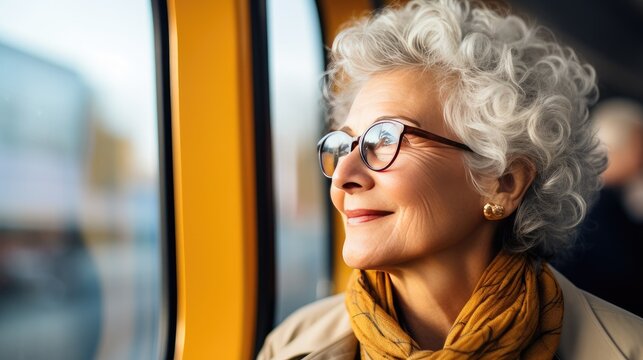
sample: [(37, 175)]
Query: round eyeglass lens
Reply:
[(336, 145), (380, 144)]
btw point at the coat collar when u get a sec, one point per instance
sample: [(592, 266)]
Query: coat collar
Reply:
[(342, 349), (583, 335)]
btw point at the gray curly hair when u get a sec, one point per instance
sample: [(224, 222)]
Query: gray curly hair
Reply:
[(509, 91)]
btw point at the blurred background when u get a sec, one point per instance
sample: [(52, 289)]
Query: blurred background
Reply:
[(81, 237), (609, 35), (79, 210)]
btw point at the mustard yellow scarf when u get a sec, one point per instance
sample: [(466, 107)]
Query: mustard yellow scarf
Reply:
[(514, 312)]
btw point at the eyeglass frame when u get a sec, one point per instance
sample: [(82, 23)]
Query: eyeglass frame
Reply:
[(406, 129)]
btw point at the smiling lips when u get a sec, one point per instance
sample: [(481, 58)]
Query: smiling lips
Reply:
[(359, 216)]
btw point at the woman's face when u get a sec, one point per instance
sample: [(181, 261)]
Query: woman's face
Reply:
[(423, 205)]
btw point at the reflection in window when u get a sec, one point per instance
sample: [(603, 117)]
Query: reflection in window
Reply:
[(79, 228), (296, 65)]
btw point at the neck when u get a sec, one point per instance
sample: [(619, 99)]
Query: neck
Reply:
[(430, 295)]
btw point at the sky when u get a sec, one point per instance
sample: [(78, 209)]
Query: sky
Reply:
[(110, 44)]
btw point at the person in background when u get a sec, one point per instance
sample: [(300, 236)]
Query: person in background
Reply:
[(462, 159), (609, 260)]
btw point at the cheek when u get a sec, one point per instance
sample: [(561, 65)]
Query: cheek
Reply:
[(424, 181), (432, 195)]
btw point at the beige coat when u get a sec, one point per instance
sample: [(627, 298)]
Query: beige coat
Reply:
[(592, 329)]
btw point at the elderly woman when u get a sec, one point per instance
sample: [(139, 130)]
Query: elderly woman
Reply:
[(462, 159)]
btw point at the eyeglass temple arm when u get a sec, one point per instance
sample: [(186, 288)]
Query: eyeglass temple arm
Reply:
[(434, 137)]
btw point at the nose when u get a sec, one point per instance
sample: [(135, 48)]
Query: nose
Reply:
[(351, 174)]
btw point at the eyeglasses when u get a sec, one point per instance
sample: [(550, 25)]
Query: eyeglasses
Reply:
[(378, 146)]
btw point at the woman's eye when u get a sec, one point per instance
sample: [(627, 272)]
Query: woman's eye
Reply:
[(386, 139)]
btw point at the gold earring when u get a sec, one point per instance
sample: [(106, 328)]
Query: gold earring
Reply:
[(492, 211)]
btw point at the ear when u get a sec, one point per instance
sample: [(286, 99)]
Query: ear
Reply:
[(509, 190)]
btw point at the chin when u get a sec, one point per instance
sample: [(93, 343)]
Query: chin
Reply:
[(352, 257), (358, 256), (354, 262)]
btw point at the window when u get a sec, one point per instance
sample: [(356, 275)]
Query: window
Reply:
[(80, 252), (296, 65)]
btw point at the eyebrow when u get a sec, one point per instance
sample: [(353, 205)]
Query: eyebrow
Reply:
[(398, 117), (348, 129)]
